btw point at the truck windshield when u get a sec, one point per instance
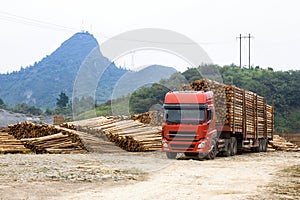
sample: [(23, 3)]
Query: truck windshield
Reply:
[(184, 116)]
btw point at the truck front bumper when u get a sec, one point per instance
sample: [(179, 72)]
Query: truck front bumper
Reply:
[(200, 146)]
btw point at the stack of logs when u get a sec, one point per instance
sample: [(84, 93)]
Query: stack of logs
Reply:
[(46, 139), (238, 108), (154, 118), (9, 144), (133, 136), (279, 143), (129, 135), (68, 126), (143, 118)]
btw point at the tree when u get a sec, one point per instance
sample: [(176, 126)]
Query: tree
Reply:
[(142, 99), (48, 111), (62, 101)]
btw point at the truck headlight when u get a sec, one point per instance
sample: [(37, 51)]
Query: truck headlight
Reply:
[(165, 144), (202, 145)]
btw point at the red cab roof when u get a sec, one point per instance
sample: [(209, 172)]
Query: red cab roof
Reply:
[(179, 97)]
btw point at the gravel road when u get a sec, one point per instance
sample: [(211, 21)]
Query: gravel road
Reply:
[(148, 176)]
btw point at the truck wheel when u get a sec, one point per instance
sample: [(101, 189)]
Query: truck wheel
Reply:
[(265, 145), (214, 150), (227, 153), (233, 146), (201, 156), (261, 146), (171, 155)]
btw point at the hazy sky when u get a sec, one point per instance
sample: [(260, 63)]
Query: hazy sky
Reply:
[(32, 29)]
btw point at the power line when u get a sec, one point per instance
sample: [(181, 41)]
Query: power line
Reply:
[(43, 24), (32, 22)]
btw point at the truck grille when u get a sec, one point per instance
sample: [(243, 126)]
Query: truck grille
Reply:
[(182, 134), (182, 146)]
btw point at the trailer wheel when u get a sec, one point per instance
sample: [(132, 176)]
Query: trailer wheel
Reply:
[(265, 145), (260, 146), (214, 150), (233, 146), (227, 153), (171, 155)]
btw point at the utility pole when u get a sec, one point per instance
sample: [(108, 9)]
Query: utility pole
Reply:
[(249, 57), (240, 50), (249, 37)]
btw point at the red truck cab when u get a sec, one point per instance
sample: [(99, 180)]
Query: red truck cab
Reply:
[(189, 124)]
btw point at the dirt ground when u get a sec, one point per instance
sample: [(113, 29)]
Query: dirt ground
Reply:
[(272, 175)]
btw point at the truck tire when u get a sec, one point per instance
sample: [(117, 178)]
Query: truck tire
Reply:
[(265, 145), (213, 152), (171, 155), (260, 146), (257, 148), (202, 156), (227, 153), (233, 146)]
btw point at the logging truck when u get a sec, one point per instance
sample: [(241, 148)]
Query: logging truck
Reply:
[(210, 122)]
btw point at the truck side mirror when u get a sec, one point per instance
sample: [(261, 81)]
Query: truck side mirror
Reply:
[(209, 115)]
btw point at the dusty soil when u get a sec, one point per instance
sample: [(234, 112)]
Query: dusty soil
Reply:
[(149, 176)]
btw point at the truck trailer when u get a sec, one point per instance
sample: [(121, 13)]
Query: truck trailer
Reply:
[(209, 118)]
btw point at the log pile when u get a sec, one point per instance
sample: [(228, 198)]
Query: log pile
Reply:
[(56, 143), (280, 144), (9, 144), (68, 126), (291, 137), (143, 117), (93, 122), (154, 118), (129, 135), (31, 130), (133, 136), (46, 139), (242, 110)]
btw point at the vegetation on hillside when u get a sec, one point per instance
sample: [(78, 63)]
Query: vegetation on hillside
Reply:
[(21, 108), (282, 87)]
